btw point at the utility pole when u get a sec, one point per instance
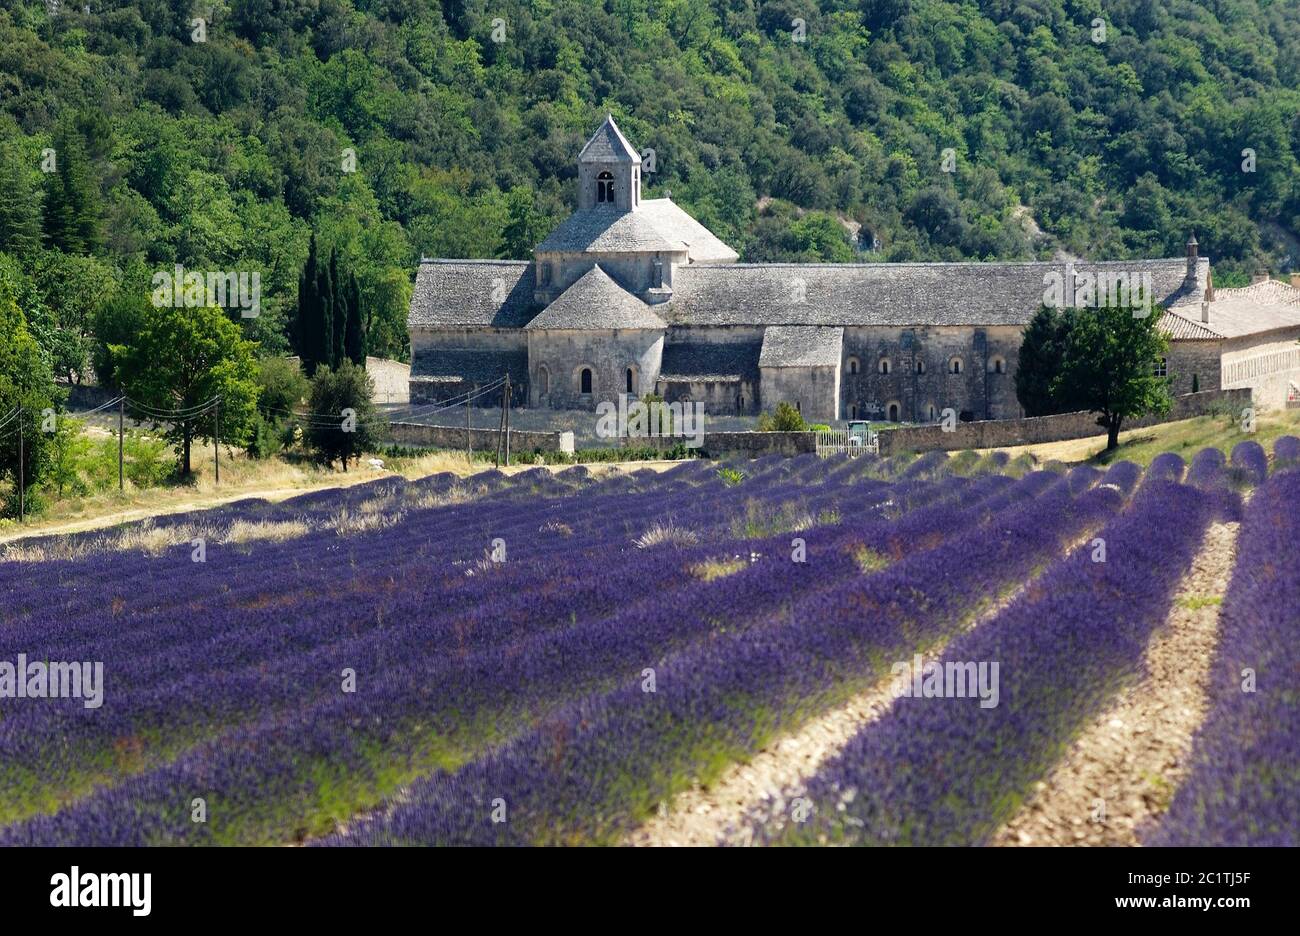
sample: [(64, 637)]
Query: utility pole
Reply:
[(501, 424), (121, 421), (22, 486), (216, 439), (469, 438), (507, 420)]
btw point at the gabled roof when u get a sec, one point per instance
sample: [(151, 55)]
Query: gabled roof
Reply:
[(1179, 326), (801, 346), (1250, 310), (888, 294), (595, 301), (453, 293), (608, 145)]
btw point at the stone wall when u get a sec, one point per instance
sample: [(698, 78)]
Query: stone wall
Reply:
[(1199, 359), (1004, 433), (814, 391), (452, 437), (1268, 364), (920, 380), (609, 354), (754, 444)]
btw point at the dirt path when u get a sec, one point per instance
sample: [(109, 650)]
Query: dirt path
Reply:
[(746, 793), (1125, 766)]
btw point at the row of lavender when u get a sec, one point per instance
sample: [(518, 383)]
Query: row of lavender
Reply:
[(236, 653), (591, 772), (944, 771), (1244, 787), (448, 668), (529, 674)]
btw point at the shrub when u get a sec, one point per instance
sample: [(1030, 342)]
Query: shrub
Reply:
[(785, 419)]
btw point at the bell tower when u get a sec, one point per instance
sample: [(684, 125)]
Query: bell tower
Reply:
[(609, 171)]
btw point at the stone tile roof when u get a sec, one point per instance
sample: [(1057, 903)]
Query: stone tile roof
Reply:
[(801, 346), (451, 293), (1182, 328), (710, 362), (596, 301), (679, 227), (472, 365), (607, 229), (889, 294), (1235, 313), (608, 145)]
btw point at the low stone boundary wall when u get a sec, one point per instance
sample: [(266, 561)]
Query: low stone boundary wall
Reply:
[(755, 444), (417, 435), (1004, 433)]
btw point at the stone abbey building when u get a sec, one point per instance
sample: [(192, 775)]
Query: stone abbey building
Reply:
[(632, 295)]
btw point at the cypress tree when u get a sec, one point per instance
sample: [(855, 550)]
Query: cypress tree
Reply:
[(355, 338), (339, 306), (325, 316), (308, 326)]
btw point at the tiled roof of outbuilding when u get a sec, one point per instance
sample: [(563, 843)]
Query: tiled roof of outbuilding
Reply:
[(1234, 313), (595, 301)]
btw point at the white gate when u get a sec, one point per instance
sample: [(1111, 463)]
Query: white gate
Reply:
[(842, 442)]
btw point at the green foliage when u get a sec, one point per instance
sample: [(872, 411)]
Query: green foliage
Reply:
[(731, 476), (355, 429), (282, 388), (72, 196), (328, 325), (183, 358), (26, 383), (1108, 366), (785, 419), (1042, 352)]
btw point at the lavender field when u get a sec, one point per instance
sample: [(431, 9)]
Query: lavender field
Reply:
[(568, 658)]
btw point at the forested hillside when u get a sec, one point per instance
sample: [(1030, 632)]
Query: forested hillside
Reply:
[(221, 135)]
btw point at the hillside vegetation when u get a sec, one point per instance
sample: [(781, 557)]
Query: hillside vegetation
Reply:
[(794, 129)]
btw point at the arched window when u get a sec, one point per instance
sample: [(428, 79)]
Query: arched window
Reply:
[(630, 378), (584, 380), (893, 412), (543, 380), (853, 365), (954, 365), (884, 365), (853, 411), (920, 366), (998, 366), (930, 413), (605, 187)]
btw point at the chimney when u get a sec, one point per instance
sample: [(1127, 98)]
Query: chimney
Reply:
[(1192, 253), (1295, 280), (1205, 312), (1260, 276)]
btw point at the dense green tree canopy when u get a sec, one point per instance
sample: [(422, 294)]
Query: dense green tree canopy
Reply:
[(181, 360), (796, 129)]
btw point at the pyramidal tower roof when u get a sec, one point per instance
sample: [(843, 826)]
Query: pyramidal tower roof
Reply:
[(608, 145)]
